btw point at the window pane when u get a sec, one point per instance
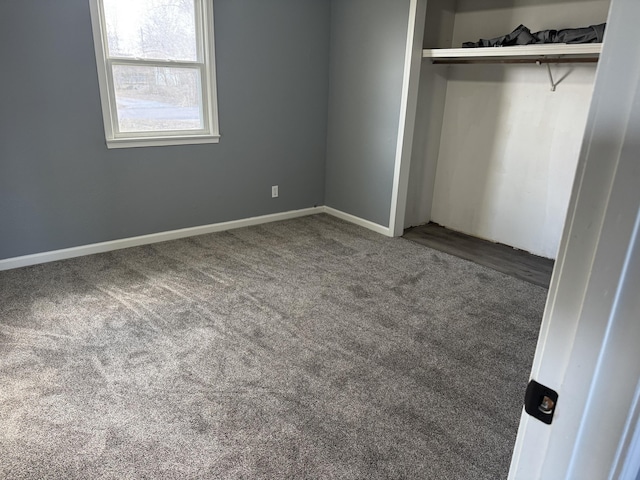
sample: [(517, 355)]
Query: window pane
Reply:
[(157, 98), (160, 29)]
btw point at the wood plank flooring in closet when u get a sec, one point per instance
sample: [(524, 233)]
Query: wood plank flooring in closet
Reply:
[(505, 259)]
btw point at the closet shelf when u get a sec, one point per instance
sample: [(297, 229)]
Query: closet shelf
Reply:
[(546, 53)]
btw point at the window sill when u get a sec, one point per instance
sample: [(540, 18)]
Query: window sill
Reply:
[(161, 141)]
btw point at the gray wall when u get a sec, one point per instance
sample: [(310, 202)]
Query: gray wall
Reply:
[(368, 41), (60, 186)]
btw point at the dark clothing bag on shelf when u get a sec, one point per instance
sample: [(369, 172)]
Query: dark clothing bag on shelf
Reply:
[(523, 36)]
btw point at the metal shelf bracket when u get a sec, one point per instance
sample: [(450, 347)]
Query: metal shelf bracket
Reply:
[(553, 85)]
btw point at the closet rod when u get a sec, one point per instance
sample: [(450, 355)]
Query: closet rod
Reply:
[(465, 61)]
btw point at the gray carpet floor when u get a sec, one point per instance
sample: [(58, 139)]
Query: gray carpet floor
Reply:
[(310, 348)]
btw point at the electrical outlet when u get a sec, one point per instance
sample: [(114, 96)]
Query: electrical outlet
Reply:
[(274, 191)]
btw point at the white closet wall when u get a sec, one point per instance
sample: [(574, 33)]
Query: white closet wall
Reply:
[(504, 165)]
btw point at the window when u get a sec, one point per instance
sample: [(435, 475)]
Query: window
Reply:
[(156, 71)]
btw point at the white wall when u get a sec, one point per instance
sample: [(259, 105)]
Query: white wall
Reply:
[(508, 153), (509, 146)]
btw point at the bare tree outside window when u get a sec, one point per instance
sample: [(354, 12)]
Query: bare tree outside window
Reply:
[(151, 29)]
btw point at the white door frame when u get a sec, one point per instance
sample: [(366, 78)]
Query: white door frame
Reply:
[(588, 350), (408, 107)]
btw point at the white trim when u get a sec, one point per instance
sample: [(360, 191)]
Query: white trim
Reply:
[(515, 51), (161, 141), (103, 80), (408, 106), (155, 62), (101, 247), (82, 250), (627, 464), (211, 98), (358, 221)]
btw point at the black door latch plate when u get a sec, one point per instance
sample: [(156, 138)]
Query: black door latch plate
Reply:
[(540, 402)]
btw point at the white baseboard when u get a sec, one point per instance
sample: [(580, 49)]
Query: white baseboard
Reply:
[(45, 257), (359, 221), (55, 255)]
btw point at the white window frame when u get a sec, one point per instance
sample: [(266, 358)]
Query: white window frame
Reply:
[(205, 65)]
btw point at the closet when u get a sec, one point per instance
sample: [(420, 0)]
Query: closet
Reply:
[(496, 145)]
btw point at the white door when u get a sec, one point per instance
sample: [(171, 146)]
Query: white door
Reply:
[(589, 345)]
